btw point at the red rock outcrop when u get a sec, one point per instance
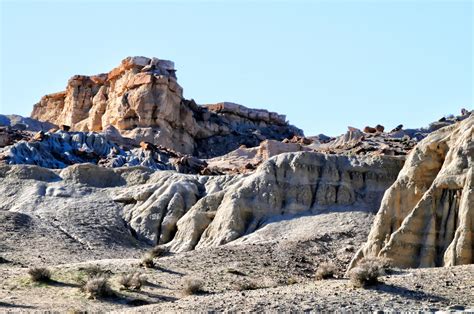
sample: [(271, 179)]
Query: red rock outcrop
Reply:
[(143, 100)]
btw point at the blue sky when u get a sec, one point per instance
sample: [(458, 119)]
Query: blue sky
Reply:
[(325, 64)]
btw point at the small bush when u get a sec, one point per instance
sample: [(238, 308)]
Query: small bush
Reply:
[(147, 261), (39, 274), (97, 287), (325, 271), (158, 251), (192, 286), (368, 270), (133, 281)]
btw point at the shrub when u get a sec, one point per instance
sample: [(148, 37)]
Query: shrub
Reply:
[(158, 251), (192, 286), (325, 271), (97, 287), (147, 261), (368, 270), (39, 274), (133, 281)]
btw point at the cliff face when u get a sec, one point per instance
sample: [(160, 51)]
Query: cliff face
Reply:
[(426, 217), (144, 101)]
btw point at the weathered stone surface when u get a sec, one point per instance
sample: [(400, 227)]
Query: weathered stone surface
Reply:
[(426, 217), (187, 212), (142, 99), (218, 210)]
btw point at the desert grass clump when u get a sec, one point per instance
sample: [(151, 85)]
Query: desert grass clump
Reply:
[(367, 271), (193, 286), (132, 281), (96, 288), (39, 274), (325, 271), (147, 261)]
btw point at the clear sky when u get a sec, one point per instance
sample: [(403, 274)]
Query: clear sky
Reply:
[(325, 64)]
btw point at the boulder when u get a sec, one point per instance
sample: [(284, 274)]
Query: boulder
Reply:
[(379, 128), (369, 129)]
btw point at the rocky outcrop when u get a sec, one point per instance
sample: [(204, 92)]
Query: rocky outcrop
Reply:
[(188, 212), (60, 149), (247, 159), (98, 206), (426, 217), (20, 123), (143, 100)]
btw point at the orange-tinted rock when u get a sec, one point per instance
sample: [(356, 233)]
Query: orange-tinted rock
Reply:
[(142, 99), (369, 129)]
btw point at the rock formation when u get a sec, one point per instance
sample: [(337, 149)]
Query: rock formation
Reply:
[(426, 216), (143, 100), (190, 212), (60, 149)]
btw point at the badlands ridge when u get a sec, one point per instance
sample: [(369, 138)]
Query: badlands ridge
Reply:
[(120, 162)]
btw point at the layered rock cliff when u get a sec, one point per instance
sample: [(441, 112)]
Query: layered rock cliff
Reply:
[(427, 216), (143, 100)]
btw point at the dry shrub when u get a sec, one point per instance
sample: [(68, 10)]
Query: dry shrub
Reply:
[(368, 270), (158, 251), (325, 271), (132, 281), (192, 286), (97, 287), (39, 274), (147, 261)]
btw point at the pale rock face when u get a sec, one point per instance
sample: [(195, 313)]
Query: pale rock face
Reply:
[(132, 205), (212, 211), (426, 217), (143, 100)]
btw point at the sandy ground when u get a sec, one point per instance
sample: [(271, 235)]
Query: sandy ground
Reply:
[(271, 269)]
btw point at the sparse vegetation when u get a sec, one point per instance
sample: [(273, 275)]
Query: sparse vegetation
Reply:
[(147, 261), (368, 270), (325, 271), (192, 286), (132, 281), (97, 287), (39, 274), (291, 281), (157, 251)]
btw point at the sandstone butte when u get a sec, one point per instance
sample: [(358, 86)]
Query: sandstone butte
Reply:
[(143, 100)]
